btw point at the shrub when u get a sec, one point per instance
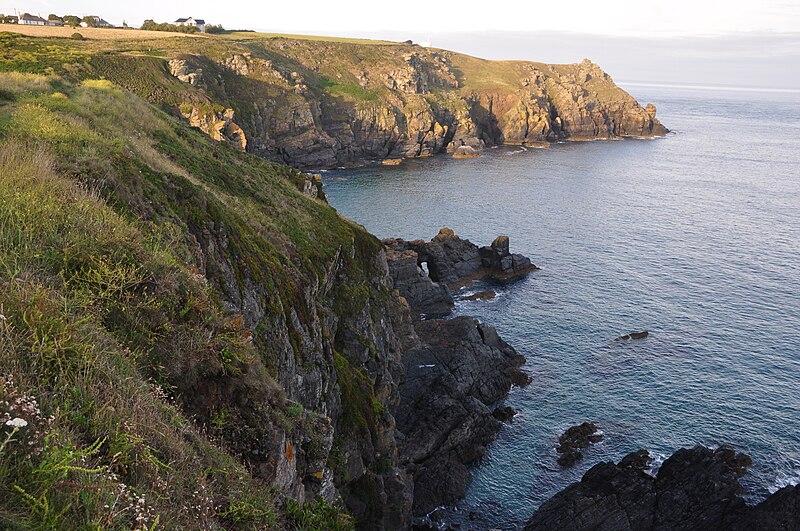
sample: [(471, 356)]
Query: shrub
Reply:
[(77, 36)]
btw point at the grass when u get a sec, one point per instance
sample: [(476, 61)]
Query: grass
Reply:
[(108, 325)]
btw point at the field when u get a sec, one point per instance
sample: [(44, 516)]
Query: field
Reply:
[(91, 33), (111, 34)]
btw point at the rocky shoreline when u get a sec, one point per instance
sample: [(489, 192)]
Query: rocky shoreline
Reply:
[(695, 489), (324, 105), (458, 368)]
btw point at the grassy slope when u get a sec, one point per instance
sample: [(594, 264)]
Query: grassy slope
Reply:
[(104, 318)]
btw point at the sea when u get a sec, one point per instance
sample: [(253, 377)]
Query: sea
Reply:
[(694, 237)]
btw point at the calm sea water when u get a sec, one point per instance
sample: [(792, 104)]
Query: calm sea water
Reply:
[(694, 237)]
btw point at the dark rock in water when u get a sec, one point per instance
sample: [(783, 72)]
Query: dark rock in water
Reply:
[(573, 440), (423, 295), (459, 368), (499, 260), (479, 296), (638, 460), (633, 335), (695, 489), (453, 261), (504, 414)]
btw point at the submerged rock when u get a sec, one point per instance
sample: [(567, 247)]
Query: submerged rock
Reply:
[(633, 335), (695, 489), (574, 440), (480, 296)]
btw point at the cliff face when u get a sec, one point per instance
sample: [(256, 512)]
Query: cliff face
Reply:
[(249, 347), (225, 345), (402, 101), (315, 103)]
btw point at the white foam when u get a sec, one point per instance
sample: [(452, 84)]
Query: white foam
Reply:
[(426, 366), (655, 464), (785, 479)]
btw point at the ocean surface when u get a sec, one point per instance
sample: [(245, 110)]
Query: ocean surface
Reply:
[(694, 237)]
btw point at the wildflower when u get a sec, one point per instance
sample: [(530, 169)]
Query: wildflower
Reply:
[(2, 317), (17, 423)]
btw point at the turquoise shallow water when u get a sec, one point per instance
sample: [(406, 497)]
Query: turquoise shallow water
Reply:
[(694, 237)]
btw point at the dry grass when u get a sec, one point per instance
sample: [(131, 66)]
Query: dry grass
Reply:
[(247, 35), (105, 34)]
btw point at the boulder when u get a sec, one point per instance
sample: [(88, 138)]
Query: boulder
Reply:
[(502, 264)]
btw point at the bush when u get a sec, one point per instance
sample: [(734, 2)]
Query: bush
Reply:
[(214, 29), (77, 36), (155, 26)]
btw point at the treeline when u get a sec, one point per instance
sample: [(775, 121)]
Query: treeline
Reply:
[(152, 25)]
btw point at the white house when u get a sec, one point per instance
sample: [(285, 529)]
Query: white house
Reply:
[(32, 20), (198, 23), (99, 22)]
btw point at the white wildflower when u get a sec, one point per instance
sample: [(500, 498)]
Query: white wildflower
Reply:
[(17, 423)]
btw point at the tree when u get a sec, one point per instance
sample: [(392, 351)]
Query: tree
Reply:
[(89, 21), (52, 16), (214, 28), (72, 20)]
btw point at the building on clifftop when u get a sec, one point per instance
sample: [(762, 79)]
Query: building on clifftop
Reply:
[(198, 23), (32, 20)]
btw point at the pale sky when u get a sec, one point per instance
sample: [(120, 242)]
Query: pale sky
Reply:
[(606, 17), (733, 42)]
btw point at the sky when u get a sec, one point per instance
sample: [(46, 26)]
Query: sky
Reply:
[(754, 43)]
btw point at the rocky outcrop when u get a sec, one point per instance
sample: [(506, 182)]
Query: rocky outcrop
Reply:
[(218, 124), (424, 296), (184, 71), (574, 440), (695, 489), (453, 261), (454, 374)]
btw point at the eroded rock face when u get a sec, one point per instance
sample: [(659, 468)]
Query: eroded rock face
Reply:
[(453, 261), (455, 373), (219, 125), (404, 101), (424, 296), (695, 489)]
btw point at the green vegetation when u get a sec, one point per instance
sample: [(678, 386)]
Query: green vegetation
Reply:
[(214, 29), (174, 28), (317, 515), (107, 332)]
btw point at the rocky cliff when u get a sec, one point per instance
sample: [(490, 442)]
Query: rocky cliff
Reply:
[(193, 327), (387, 101), (318, 103)]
